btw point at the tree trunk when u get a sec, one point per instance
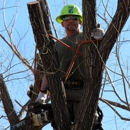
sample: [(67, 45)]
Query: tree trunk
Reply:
[(48, 54), (114, 29), (93, 70), (7, 103), (95, 56)]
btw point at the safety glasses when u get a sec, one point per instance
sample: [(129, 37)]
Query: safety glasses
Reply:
[(66, 18)]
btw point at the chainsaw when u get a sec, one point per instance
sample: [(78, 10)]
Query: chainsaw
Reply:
[(39, 115)]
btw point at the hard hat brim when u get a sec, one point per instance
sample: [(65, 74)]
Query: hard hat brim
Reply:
[(59, 18)]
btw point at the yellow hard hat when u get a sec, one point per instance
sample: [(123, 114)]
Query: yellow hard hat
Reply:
[(69, 10)]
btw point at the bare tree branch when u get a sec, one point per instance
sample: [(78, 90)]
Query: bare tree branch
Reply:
[(14, 49), (9, 109), (117, 105)]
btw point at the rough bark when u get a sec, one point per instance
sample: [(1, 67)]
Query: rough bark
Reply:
[(48, 54), (7, 103), (95, 56)]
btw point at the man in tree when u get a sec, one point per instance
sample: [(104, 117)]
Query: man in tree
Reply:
[(71, 19)]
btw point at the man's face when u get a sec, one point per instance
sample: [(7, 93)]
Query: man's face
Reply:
[(71, 22)]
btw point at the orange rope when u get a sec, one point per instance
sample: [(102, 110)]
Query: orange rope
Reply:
[(72, 63), (72, 49), (74, 58), (76, 53)]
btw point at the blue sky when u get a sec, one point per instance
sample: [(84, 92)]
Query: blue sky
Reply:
[(24, 40)]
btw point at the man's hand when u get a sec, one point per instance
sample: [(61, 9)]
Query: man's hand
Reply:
[(97, 33), (41, 98)]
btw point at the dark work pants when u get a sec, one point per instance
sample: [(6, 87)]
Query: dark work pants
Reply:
[(73, 108)]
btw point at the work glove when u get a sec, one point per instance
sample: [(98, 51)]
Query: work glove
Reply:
[(41, 98), (97, 33)]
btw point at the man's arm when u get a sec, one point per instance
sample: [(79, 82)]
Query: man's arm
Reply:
[(44, 82), (42, 96)]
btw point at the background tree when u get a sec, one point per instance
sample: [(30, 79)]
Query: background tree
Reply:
[(119, 77)]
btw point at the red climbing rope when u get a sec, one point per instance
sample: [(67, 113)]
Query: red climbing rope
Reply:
[(76, 53)]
